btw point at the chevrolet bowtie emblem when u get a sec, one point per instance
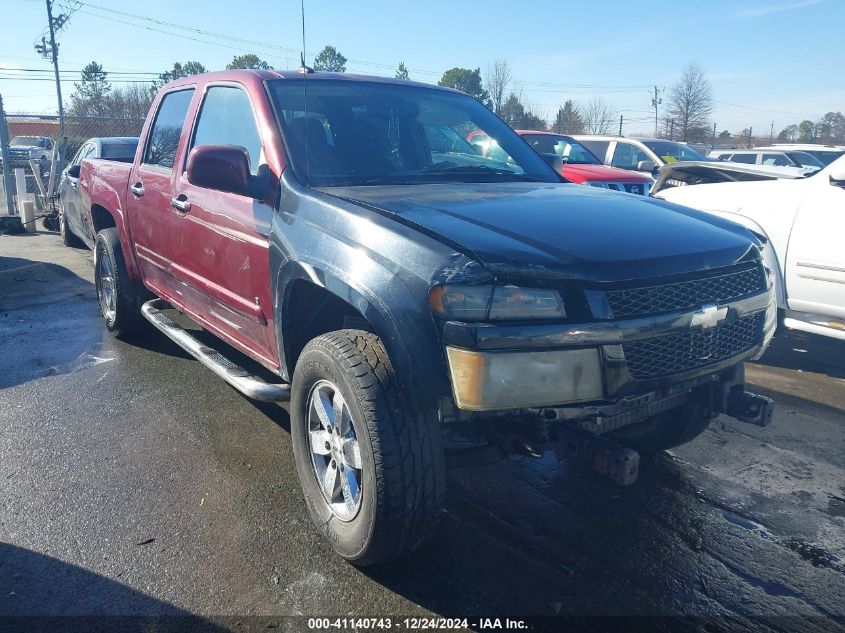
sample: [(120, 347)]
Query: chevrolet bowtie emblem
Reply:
[(709, 316)]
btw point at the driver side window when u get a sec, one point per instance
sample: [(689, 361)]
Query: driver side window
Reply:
[(627, 156)]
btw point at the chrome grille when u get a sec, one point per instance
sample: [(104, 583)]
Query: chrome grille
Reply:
[(677, 353), (693, 293)]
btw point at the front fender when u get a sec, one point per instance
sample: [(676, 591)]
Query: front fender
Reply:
[(408, 333), (379, 267)]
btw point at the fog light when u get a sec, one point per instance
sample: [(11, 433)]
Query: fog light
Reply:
[(487, 381)]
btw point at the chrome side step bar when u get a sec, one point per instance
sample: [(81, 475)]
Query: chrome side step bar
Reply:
[(251, 386)]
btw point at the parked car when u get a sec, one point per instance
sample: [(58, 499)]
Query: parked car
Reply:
[(403, 298), (22, 149), (825, 153), (772, 158), (571, 160), (73, 222), (803, 222), (701, 148), (645, 154)]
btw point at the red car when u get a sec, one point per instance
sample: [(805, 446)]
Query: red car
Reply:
[(577, 164)]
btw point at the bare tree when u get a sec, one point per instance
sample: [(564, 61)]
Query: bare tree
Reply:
[(497, 79), (691, 100), (598, 117)]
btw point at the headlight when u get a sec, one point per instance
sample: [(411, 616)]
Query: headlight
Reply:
[(480, 303), (487, 381), (34, 153)]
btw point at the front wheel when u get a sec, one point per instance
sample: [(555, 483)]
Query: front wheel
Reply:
[(370, 462)]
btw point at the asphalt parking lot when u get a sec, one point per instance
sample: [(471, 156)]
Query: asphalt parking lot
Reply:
[(133, 482)]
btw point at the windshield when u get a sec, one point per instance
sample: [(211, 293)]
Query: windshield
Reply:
[(805, 160), (670, 152), (24, 140), (826, 156), (369, 133), (570, 150)]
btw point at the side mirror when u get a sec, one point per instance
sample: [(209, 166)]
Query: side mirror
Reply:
[(837, 175), (220, 167), (73, 171), (646, 165)]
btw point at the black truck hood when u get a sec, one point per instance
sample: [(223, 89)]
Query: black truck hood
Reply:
[(561, 230)]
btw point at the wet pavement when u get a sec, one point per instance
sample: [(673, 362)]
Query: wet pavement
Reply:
[(133, 482)]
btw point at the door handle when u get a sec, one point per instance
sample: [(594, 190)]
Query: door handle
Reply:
[(137, 189), (180, 203)]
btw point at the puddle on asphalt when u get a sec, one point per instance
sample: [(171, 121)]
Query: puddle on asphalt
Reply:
[(813, 553)]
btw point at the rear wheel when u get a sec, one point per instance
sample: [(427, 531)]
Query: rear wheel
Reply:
[(119, 296), (666, 430), (68, 238), (370, 462)]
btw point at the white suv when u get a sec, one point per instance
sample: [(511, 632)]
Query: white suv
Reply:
[(639, 154), (772, 158), (825, 153)]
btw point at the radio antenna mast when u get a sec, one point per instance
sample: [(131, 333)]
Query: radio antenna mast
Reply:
[(305, 71)]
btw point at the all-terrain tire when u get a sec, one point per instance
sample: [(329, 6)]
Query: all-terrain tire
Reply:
[(666, 430), (122, 313), (402, 476)]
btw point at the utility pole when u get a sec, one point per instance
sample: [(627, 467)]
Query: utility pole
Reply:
[(772, 133), (620, 125), (750, 130), (55, 55), (656, 101), (672, 130), (7, 164), (713, 142), (51, 52)]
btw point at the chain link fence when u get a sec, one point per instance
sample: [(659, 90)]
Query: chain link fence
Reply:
[(37, 137)]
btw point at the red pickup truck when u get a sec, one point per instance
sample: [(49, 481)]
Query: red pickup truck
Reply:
[(410, 296)]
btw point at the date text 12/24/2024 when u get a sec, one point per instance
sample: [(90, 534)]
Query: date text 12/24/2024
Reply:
[(416, 624)]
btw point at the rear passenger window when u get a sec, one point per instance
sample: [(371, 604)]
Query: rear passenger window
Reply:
[(599, 148), (749, 159), (164, 137), (226, 119)]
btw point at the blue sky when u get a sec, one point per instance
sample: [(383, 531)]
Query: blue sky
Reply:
[(768, 60)]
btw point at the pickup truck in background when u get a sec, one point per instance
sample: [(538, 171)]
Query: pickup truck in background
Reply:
[(803, 220), (409, 302), (73, 221), (23, 149)]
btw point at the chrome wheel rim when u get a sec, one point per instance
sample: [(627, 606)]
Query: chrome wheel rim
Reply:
[(335, 450), (106, 287)]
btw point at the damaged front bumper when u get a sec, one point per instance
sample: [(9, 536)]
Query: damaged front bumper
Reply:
[(602, 376)]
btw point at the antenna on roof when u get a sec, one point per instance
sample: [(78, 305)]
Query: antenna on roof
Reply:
[(303, 69)]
